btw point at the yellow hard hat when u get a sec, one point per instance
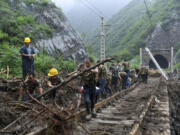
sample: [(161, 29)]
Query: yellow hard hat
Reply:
[(27, 40), (53, 72)]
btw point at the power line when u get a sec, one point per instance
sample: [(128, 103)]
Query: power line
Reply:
[(100, 12), (148, 12), (90, 8)]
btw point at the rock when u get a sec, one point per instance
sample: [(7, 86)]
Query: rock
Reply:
[(166, 34), (64, 40)]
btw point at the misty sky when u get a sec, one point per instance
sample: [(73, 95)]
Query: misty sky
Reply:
[(66, 5)]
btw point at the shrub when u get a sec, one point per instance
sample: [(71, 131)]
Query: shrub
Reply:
[(10, 57), (44, 2)]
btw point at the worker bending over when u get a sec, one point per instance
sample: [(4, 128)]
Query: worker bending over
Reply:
[(124, 79), (30, 85), (53, 79), (143, 73)]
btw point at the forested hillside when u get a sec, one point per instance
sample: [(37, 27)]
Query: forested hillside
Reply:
[(49, 30), (131, 28)]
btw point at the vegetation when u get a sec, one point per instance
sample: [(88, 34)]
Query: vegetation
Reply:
[(132, 26), (15, 24), (11, 57)]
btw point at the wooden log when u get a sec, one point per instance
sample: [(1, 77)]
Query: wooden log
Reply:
[(2, 71), (72, 78), (72, 73)]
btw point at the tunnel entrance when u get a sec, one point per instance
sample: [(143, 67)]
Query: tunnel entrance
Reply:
[(162, 61)]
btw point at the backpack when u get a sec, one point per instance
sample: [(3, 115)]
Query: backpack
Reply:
[(114, 72)]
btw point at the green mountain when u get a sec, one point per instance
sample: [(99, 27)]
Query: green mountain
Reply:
[(50, 33), (44, 23), (132, 27)]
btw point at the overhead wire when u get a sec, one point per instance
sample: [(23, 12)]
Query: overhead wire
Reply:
[(148, 12), (99, 11), (91, 9)]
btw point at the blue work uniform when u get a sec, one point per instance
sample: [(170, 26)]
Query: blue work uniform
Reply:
[(27, 62)]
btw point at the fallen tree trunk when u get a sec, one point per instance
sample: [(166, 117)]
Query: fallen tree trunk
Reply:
[(72, 78)]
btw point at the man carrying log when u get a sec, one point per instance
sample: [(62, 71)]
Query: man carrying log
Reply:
[(102, 78), (143, 73), (126, 67), (89, 85)]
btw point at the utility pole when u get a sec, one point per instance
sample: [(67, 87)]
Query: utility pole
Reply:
[(172, 59), (102, 46), (140, 56)]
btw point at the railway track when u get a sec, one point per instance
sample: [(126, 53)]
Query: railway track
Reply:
[(144, 111)]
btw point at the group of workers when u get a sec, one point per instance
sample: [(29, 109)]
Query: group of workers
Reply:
[(94, 84)]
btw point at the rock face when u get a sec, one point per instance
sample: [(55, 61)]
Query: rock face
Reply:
[(65, 41), (166, 33)]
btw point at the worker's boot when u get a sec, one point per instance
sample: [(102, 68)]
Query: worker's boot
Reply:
[(93, 113), (88, 117)]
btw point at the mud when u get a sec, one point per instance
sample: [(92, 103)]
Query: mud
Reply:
[(11, 110), (174, 99), (117, 117)]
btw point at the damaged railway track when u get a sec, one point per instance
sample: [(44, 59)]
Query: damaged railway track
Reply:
[(143, 111), (127, 112)]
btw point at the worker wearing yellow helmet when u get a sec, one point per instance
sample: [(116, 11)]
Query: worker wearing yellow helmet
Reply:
[(27, 53), (53, 79)]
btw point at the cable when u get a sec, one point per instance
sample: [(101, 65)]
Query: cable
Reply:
[(148, 12), (99, 11), (90, 8)]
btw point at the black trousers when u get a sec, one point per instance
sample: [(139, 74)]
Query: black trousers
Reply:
[(144, 78)]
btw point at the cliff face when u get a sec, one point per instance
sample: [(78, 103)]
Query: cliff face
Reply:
[(166, 33), (51, 31)]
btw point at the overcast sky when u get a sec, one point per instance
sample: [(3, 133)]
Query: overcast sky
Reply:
[(66, 5)]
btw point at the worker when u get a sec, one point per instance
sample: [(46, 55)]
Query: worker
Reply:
[(126, 67), (53, 79), (108, 83), (30, 85), (119, 66), (89, 85), (114, 81), (79, 92), (27, 53), (143, 73), (102, 78), (124, 79)]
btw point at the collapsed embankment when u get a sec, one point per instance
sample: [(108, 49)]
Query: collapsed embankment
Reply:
[(174, 103)]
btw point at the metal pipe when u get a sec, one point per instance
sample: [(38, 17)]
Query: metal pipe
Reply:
[(155, 62)]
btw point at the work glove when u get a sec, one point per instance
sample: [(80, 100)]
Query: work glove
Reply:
[(42, 100), (19, 99)]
